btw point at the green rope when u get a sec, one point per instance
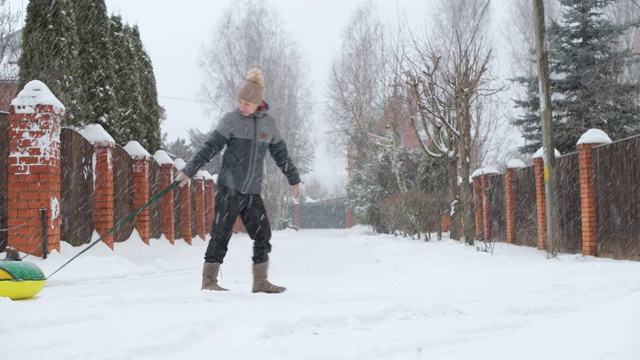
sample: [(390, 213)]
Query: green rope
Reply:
[(120, 223)]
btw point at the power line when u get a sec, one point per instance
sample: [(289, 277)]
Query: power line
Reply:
[(211, 102), (182, 99)]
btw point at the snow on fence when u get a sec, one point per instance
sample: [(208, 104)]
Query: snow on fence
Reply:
[(86, 183), (598, 200)]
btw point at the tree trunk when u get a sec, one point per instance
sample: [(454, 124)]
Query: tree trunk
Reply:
[(550, 173), (397, 163), (454, 199), (465, 155)]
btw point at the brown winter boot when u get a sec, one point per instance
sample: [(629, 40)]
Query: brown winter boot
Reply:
[(260, 283), (210, 277)]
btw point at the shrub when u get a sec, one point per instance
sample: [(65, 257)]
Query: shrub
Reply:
[(415, 213)]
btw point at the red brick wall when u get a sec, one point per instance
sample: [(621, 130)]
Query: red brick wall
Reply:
[(587, 199), (8, 92), (166, 203), (209, 194), (201, 230), (510, 206), (141, 196), (477, 197), (486, 214), (541, 206), (185, 212), (33, 176), (103, 197)]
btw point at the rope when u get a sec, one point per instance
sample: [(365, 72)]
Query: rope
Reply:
[(120, 223), (21, 226)]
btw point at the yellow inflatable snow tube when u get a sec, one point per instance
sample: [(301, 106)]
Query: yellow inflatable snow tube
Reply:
[(20, 280)]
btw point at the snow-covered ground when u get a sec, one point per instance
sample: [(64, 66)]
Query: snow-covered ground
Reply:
[(351, 295)]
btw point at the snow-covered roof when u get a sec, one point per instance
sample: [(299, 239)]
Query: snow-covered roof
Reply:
[(200, 175), (594, 136), (515, 164), (207, 175), (179, 164), (485, 171), (35, 93), (162, 157), (136, 151), (95, 133), (540, 153)]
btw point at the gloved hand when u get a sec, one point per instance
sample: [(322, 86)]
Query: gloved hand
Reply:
[(182, 178)]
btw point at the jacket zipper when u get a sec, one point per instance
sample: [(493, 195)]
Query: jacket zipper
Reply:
[(252, 159)]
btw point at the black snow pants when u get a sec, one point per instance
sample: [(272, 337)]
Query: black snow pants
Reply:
[(229, 204)]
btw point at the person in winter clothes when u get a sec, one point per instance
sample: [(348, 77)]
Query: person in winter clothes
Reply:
[(248, 132)]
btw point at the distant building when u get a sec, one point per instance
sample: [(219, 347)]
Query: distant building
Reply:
[(10, 50), (396, 112)]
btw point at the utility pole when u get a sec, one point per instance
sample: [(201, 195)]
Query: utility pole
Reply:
[(550, 174)]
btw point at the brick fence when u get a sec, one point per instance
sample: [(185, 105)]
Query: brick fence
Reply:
[(34, 178), (597, 201)]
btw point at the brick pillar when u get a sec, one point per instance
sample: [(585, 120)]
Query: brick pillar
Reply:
[(349, 221), (33, 171), (185, 212), (103, 196), (184, 205), (238, 227), (510, 206), (541, 207), (587, 142), (140, 159), (510, 198), (477, 202), (198, 184), (209, 203), (486, 215), (296, 215), (167, 215)]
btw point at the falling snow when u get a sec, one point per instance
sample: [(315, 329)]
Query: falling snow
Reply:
[(351, 295)]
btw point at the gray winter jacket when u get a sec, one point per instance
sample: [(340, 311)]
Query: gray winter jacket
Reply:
[(247, 139)]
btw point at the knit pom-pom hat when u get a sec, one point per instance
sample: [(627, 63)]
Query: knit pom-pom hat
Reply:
[(252, 89)]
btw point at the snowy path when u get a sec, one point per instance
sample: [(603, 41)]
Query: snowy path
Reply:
[(351, 295)]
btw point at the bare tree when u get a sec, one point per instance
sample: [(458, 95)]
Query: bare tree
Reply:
[(519, 33), (364, 91), (10, 43), (625, 12), (447, 78), (628, 12), (249, 34)]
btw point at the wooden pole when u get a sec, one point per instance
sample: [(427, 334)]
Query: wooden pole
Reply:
[(550, 178)]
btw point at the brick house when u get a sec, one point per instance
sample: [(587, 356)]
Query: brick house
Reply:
[(10, 49), (395, 113)]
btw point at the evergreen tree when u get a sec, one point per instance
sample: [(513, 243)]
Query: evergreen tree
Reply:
[(50, 52), (151, 114), (529, 121), (587, 67), (588, 82), (128, 102), (179, 149), (366, 190), (97, 99)]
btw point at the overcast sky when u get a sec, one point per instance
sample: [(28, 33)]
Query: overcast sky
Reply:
[(174, 33)]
